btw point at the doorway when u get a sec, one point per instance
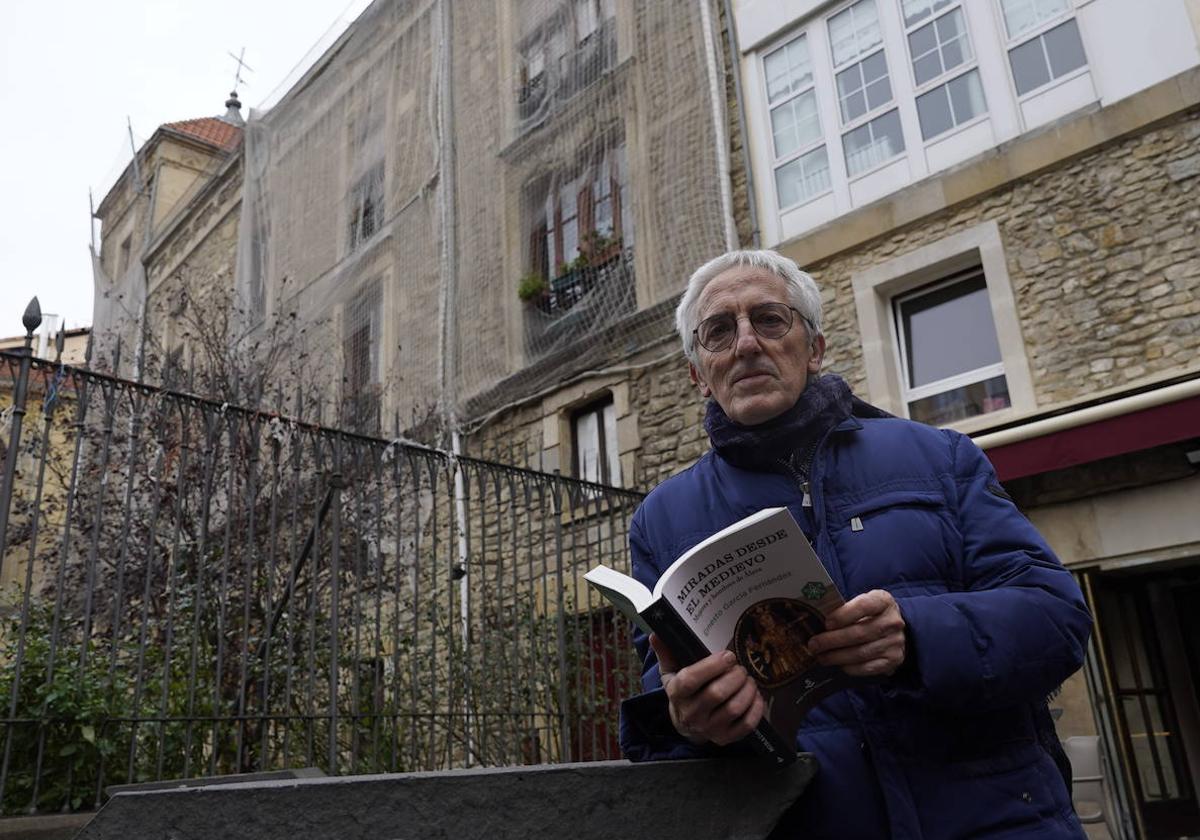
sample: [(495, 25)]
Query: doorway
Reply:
[(1149, 626)]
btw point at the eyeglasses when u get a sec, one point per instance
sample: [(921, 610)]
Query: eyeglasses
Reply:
[(769, 320)]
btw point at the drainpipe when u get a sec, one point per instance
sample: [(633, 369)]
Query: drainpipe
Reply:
[(722, 139), (735, 58)]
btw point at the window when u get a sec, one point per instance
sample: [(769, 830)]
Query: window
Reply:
[(954, 103), (587, 19), (863, 88), (801, 162), (949, 352), (1044, 45), (562, 52), (594, 429), (360, 351), (123, 256), (862, 77), (1021, 16), (939, 47), (873, 143), (584, 215), (941, 339), (366, 206)]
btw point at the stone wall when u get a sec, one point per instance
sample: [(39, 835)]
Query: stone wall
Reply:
[(191, 271), (1103, 253)]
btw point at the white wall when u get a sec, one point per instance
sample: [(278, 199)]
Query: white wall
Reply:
[(1133, 44), (1130, 45)]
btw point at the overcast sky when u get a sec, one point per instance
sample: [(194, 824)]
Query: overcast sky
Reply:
[(70, 74)]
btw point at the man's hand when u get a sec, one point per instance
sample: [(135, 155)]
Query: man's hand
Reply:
[(865, 636), (712, 700)]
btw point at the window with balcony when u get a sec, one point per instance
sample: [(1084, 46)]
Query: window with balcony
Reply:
[(580, 226), (1044, 42), (801, 160), (948, 89), (561, 53), (864, 90)]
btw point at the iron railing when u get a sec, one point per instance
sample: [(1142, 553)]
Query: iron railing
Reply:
[(193, 588)]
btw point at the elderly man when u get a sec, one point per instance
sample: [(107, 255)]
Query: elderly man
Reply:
[(958, 614)]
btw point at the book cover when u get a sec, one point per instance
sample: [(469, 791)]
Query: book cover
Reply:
[(756, 588)]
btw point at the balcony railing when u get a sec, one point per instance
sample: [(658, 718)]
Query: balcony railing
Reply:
[(581, 302)]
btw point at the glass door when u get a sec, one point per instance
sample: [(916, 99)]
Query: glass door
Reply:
[(1149, 628)]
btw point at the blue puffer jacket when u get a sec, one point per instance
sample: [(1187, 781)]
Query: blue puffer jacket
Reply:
[(958, 744)]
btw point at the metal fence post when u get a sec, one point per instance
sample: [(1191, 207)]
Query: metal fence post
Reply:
[(32, 319), (564, 725), (337, 483)]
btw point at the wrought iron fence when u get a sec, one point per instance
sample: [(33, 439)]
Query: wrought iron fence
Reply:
[(193, 588)]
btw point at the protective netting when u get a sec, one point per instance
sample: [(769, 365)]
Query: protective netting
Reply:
[(165, 181), (493, 205)]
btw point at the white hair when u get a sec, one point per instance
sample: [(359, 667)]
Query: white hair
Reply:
[(801, 291)]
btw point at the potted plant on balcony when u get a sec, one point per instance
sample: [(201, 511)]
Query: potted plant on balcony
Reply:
[(568, 272), (600, 248), (532, 287)]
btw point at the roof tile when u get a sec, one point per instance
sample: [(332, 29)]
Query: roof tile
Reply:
[(211, 130)]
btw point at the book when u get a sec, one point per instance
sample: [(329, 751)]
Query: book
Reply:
[(756, 588)]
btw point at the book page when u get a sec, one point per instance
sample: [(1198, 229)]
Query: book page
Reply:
[(760, 591)]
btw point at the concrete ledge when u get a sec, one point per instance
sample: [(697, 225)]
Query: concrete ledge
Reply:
[(671, 800), (43, 826), (209, 781)]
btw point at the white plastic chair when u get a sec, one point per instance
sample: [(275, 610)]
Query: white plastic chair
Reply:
[(1087, 777)]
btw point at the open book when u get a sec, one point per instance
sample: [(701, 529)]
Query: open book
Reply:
[(758, 589)]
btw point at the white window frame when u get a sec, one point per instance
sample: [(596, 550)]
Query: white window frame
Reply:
[(881, 47), (874, 167), (1036, 29), (911, 394), (778, 161), (1036, 32), (877, 288), (871, 114), (943, 79)]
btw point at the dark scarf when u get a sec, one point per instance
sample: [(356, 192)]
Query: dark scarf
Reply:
[(790, 439)]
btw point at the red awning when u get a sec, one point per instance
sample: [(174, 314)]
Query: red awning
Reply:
[(1130, 432)]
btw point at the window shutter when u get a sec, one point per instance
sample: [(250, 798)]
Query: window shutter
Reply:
[(587, 216), (615, 198), (539, 261), (558, 237)]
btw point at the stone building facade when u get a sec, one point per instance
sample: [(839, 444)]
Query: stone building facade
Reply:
[(1082, 216), (1068, 202), (168, 240)]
